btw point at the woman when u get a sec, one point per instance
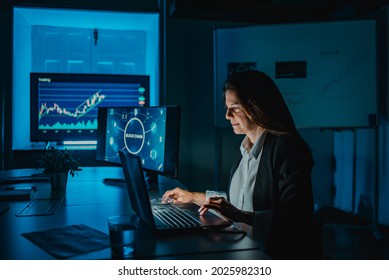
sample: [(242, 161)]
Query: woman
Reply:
[(270, 189)]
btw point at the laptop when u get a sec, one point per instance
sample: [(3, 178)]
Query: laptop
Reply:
[(163, 217)]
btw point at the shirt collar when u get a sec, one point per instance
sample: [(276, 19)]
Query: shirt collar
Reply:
[(256, 149)]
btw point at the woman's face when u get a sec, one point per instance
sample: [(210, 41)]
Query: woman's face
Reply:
[(239, 121)]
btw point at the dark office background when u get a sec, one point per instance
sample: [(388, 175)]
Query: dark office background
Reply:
[(187, 74)]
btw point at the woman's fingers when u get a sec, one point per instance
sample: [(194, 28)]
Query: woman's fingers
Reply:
[(203, 211), (212, 203), (171, 195)]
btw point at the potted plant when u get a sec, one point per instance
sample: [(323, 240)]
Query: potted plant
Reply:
[(58, 164)]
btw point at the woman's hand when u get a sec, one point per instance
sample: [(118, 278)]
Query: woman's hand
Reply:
[(179, 195), (224, 207)]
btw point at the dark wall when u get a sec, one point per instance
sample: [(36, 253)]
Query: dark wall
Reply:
[(190, 84), (5, 83)]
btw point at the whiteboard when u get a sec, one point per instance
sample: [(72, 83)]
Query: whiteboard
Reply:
[(339, 89)]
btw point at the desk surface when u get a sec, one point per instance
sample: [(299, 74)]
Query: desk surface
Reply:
[(88, 201)]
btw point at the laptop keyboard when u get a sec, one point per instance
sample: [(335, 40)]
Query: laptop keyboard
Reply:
[(173, 217)]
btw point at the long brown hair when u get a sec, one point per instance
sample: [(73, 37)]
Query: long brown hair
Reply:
[(261, 101)]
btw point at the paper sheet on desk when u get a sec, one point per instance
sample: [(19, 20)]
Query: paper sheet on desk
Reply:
[(69, 241)]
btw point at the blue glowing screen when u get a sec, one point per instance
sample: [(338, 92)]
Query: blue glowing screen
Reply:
[(139, 131), (74, 105), (65, 106)]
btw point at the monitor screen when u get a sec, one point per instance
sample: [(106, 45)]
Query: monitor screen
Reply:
[(152, 133), (64, 106)]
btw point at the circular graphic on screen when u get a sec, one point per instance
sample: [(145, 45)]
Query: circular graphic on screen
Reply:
[(134, 136)]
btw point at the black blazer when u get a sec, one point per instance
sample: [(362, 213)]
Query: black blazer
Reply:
[(283, 185)]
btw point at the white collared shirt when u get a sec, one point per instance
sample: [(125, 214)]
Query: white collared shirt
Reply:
[(243, 180), (242, 189)]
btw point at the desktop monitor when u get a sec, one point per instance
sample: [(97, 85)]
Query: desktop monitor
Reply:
[(151, 133), (64, 106)]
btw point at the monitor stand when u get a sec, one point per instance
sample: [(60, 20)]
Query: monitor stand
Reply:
[(151, 180)]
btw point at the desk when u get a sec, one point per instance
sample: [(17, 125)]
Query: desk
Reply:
[(90, 202)]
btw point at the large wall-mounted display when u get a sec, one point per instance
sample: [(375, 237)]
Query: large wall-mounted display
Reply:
[(327, 72)]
